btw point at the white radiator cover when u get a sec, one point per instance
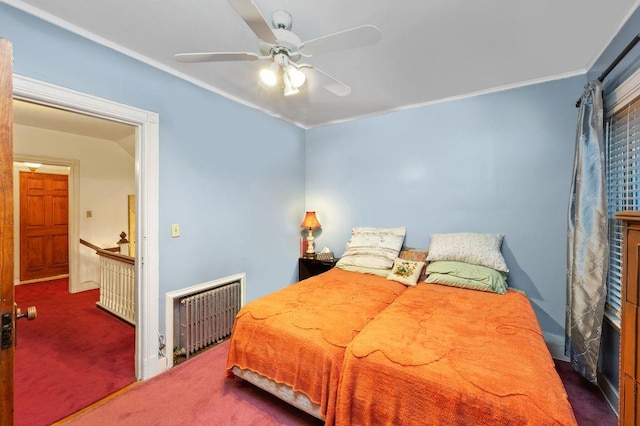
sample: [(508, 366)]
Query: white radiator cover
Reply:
[(207, 317), (172, 308)]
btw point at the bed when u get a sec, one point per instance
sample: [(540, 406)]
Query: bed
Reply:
[(356, 348), (292, 342), (455, 356)]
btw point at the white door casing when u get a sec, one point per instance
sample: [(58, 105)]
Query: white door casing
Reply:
[(147, 358)]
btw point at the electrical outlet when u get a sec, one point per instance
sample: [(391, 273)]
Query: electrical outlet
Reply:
[(175, 230)]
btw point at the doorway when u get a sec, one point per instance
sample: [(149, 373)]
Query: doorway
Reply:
[(42, 206), (149, 360), (98, 191)]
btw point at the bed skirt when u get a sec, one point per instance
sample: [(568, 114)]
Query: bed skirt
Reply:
[(282, 391)]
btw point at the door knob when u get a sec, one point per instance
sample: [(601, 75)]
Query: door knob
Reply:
[(31, 314), (7, 324)]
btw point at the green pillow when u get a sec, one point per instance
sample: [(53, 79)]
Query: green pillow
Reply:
[(466, 275)]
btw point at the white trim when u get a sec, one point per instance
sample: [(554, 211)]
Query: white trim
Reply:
[(555, 343), (623, 93), (172, 297), (146, 164), (613, 317), (609, 391), (457, 97)]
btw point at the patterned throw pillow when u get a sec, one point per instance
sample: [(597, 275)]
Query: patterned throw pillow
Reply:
[(373, 247), (477, 249), (416, 255), (406, 272)]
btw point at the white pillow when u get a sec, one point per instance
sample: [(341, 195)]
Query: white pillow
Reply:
[(373, 247), (477, 249), (406, 272)]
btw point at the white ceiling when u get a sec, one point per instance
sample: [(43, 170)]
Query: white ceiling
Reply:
[(45, 117), (430, 50)]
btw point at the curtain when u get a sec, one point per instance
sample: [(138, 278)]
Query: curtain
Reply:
[(587, 242)]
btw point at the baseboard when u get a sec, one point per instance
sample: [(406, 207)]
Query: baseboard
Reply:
[(163, 364), (96, 404), (610, 392), (87, 285), (555, 344), (41, 280)]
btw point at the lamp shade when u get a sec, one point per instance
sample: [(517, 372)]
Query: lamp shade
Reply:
[(310, 221)]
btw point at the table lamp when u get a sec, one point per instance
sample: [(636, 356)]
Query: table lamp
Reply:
[(310, 222)]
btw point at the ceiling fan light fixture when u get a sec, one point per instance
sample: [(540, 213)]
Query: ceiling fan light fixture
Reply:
[(268, 76), (283, 48), (296, 76), (289, 88)]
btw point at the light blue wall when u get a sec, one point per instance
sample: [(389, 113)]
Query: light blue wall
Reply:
[(232, 177), (498, 163)]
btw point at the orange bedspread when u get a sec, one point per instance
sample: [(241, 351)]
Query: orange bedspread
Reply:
[(443, 356), (298, 335)]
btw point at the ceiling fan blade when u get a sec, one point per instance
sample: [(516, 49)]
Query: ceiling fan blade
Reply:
[(250, 13), (366, 35), (330, 83), (216, 57)]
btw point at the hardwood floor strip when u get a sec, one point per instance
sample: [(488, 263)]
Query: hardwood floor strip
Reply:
[(97, 404)]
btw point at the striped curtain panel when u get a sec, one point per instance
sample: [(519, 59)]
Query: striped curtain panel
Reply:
[(587, 242)]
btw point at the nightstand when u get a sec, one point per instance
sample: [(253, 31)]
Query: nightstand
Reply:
[(309, 267)]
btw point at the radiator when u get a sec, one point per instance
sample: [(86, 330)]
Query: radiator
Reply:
[(207, 317)]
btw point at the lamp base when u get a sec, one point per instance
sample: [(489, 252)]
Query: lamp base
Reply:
[(311, 253)]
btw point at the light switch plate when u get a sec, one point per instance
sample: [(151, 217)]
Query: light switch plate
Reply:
[(175, 230)]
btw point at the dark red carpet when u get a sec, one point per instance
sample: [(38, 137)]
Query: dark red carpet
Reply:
[(589, 405), (71, 356)]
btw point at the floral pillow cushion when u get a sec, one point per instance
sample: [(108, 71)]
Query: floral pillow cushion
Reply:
[(416, 255), (406, 272)]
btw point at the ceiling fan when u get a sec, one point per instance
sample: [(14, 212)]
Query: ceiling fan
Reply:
[(282, 49)]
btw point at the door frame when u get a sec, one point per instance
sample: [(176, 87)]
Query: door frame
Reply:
[(147, 359)]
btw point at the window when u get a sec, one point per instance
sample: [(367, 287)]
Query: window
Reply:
[(622, 134)]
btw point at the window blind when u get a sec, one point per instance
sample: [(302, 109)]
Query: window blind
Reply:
[(622, 132)]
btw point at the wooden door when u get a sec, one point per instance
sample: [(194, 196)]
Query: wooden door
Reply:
[(44, 225), (7, 354)]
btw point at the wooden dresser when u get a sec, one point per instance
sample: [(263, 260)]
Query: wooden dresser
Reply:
[(629, 412)]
